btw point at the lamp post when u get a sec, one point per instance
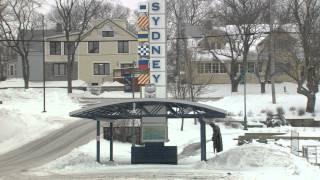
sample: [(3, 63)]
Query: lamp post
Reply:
[(245, 122), (43, 66), (132, 78)]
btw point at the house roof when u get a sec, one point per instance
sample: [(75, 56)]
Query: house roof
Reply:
[(96, 27), (149, 107)]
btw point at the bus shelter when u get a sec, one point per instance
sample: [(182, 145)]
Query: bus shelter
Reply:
[(153, 108)]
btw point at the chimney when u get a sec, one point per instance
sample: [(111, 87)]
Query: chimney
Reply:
[(59, 27)]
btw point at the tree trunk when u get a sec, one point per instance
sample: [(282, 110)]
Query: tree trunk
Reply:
[(69, 76), (234, 86), (182, 124), (25, 71), (311, 103), (263, 87)]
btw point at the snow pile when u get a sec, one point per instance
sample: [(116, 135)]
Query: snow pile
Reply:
[(18, 128), (16, 82), (21, 117), (83, 158), (251, 156), (112, 84), (256, 161)]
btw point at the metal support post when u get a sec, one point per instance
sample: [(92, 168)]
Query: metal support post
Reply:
[(111, 141), (98, 141), (133, 134), (43, 66), (203, 139), (245, 97)]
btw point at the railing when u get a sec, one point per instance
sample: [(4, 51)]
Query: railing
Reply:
[(312, 154)]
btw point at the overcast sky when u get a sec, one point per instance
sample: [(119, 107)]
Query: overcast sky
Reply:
[(132, 4)]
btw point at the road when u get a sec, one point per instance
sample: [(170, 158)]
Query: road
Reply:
[(15, 164), (48, 148)]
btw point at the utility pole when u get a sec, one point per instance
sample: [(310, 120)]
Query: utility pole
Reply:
[(271, 59), (43, 66), (245, 95), (178, 59)]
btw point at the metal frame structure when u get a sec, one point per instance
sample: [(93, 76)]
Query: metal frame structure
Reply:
[(138, 108)]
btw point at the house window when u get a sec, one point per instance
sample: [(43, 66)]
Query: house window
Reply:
[(107, 33), (123, 46), (206, 68), (126, 65), (218, 45), (59, 69), (200, 68), (222, 68), (101, 68), (11, 70), (72, 47), (55, 48), (93, 47), (215, 67), (251, 67)]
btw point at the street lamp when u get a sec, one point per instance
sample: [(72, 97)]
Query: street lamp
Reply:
[(245, 122), (132, 77), (43, 65)]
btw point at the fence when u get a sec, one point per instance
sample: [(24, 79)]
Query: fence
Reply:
[(295, 143), (312, 154)]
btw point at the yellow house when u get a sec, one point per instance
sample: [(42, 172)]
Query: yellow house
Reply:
[(104, 48)]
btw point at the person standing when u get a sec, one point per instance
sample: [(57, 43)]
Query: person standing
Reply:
[(216, 138)]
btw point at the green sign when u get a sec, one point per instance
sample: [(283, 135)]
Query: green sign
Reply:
[(153, 133)]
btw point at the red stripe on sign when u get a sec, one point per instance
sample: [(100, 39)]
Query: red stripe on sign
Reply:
[(143, 22), (143, 79)]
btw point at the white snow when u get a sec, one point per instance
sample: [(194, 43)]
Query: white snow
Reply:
[(20, 83), (253, 161), (112, 84), (22, 121), (21, 117)]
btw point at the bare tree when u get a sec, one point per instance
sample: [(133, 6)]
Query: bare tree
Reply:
[(18, 21), (304, 66), (180, 13), (245, 17), (74, 16), (263, 68), (113, 11)]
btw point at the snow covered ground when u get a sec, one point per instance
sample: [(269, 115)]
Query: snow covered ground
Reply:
[(22, 120), (252, 161)]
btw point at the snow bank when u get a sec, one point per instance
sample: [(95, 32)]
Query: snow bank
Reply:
[(250, 156), (16, 82), (112, 84), (83, 158), (18, 128), (21, 117), (256, 161)]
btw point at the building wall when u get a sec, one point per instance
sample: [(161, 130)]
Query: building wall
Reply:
[(108, 53), (223, 78), (50, 74)]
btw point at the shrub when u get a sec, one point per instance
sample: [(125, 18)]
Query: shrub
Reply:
[(292, 108), (301, 111), (263, 111), (269, 113), (280, 111)]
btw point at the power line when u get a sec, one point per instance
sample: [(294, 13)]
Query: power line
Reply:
[(168, 39)]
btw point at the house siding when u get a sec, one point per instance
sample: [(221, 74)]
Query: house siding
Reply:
[(50, 74), (108, 53)]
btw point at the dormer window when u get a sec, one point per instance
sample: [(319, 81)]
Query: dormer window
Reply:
[(107, 33)]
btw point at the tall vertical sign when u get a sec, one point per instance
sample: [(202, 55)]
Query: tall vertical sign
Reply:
[(157, 38)]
